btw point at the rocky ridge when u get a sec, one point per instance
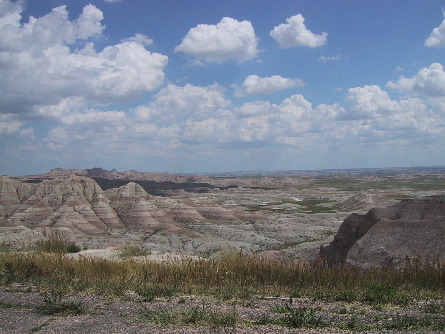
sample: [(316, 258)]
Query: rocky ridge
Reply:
[(387, 237)]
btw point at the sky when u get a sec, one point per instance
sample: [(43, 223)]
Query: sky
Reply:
[(217, 86)]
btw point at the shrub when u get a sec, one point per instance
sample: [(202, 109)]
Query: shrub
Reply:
[(73, 248)]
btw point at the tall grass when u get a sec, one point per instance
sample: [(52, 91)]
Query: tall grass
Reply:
[(232, 274)]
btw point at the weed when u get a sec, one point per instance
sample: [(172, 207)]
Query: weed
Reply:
[(301, 317), (224, 319), (198, 315), (54, 305), (150, 292), (345, 296), (8, 305), (8, 274), (194, 315), (401, 322), (159, 316), (279, 309)]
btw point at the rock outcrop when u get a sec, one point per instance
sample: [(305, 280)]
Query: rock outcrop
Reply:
[(78, 205), (388, 236)]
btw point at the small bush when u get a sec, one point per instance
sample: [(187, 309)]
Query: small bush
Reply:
[(73, 248)]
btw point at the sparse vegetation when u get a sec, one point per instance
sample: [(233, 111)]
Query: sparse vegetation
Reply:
[(202, 315), (130, 249), (53, 304), (239, 281), (56, 244), (52, 245), (230, 276), (301, 317)]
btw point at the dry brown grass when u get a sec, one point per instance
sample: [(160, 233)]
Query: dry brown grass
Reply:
[(229, 275)]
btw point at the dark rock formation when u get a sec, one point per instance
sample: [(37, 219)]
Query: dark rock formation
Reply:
[(387, 236)]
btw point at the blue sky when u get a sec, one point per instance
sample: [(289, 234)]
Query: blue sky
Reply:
[(210, 86)]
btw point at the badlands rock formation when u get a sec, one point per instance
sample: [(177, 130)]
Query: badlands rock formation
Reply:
[(388, 236), (193, 223), (285, 215)]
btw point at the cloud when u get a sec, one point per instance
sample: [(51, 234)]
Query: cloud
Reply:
[(9, 124), (324, 59), (184, 122), (52, 58), (295, 33), (175, 104), (428, 83), (437, 37), (140, 39), (254, 85), (367, 101), (228, 40), (428, 80)]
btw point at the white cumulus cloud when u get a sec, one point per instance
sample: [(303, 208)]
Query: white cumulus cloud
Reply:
[(295, 33), (367, 101), (228, 40), (428, 80), (40, 66), (254, 85), (140, 39), (437, 37)]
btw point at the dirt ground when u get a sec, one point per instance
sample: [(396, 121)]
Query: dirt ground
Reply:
[(19, 313)]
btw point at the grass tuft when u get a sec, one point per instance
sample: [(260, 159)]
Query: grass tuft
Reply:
[(54, 305)]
